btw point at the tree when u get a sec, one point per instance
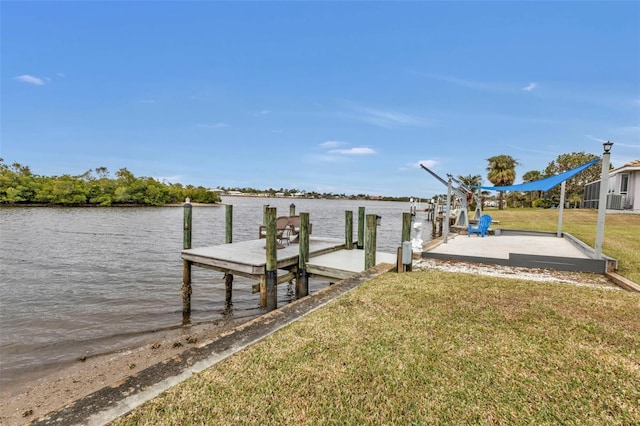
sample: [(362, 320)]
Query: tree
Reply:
[(17, 183), (471, 181), (502, 172), (532, 176), (575, 185)]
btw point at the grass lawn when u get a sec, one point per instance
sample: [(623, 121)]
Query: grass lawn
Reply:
[(621, 231), (431, 347)]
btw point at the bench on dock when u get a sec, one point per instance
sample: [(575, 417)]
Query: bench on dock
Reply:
[(287, 229)]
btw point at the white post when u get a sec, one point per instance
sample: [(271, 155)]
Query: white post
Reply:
[(445, 217), (602, 203), (562, 189)]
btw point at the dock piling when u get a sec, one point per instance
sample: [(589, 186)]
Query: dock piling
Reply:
[(228, 289), (270, 292), (360, 242), (406, 236), (302, 279), (228, 224), (370, 241), (186, 265), (228, 276), (348, 229)]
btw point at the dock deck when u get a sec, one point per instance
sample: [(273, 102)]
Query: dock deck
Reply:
[(328, 259), (248, 259)]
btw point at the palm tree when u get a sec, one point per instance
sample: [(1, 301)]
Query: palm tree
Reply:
[(502, 172)]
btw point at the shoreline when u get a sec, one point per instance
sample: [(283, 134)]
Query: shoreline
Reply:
[(63, 388), (34, 395), (117, 206)]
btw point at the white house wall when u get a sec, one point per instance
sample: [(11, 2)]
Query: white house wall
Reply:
[(633, 191)]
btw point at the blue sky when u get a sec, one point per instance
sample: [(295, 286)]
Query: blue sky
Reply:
[(343, 97)]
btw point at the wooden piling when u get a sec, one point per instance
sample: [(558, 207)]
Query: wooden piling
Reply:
[(302, 279), (348, 229), (370, 241), (186, 265), (228, 239), (360, 242), (270, 294), (228, 224), (228, 289), (406, 232), (186, 244), (292, 209)]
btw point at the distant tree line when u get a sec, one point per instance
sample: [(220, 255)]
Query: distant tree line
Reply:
[(312, 194), (94, 187)]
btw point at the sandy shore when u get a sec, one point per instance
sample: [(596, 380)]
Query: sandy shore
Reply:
[(33, 399)]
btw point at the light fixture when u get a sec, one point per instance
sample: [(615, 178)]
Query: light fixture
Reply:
[(607, 146)]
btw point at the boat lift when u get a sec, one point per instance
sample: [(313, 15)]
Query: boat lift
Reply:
[(461, 190)]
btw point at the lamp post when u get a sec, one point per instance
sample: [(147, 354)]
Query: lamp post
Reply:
[(602, 203)]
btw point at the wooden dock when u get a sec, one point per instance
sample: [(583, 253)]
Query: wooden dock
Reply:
[(248, 258), (274, 259), (328, 260)]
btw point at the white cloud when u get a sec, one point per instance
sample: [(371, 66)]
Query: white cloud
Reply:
[(331, 144), (26, 78), (263, 112), (427, 163), (530, 87), (61, 75), (218, 125), (353, 151)]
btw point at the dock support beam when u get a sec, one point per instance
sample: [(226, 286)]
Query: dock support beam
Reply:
[(186, 265), (370, 241), (360, 242), (302, 280), (348, 229), (270, 291)]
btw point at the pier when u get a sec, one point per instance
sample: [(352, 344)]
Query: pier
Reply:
[(272, 260)]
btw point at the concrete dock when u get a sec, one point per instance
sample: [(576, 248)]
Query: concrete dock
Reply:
[(522, 248)]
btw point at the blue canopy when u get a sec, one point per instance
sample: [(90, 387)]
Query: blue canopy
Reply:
[(542, 184)]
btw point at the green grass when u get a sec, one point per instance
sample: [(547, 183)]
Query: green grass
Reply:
[(621, 232), (430, 347)]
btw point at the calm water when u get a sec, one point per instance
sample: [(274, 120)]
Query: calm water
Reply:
[(85, 281)]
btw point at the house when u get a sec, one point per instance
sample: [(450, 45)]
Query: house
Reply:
[(625, 181), (624, 189)]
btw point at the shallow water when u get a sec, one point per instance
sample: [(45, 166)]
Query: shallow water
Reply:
[(83, 281)]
